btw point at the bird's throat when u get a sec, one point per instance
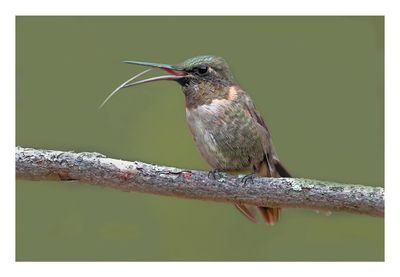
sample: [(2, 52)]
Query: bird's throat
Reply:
[(206, 93)]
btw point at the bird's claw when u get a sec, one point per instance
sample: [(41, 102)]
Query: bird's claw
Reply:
[(214, 173), (248, 177)]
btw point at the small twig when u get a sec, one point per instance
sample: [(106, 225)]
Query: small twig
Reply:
[(94, 168)]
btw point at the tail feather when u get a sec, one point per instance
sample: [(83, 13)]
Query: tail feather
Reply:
[(270, 215), (282, 171), (249, 213)]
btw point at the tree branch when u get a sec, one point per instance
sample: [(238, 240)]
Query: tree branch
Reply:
[(96, 169)]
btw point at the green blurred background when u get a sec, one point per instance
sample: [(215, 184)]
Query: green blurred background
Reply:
[(318, 81)]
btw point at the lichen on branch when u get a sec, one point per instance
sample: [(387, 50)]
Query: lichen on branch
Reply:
[(97, 169)]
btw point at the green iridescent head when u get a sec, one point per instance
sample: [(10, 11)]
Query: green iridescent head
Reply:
[(207, 68)]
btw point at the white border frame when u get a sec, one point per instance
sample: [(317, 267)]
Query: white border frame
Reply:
[(204, 7)]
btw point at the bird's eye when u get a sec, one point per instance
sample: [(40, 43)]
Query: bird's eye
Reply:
[(201, 70)]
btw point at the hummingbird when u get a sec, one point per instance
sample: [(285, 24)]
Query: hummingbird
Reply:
[(229, 132)]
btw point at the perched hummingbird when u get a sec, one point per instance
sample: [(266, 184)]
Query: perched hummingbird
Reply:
[(229, 132)]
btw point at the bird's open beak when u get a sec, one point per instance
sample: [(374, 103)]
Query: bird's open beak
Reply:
[(176, 73)]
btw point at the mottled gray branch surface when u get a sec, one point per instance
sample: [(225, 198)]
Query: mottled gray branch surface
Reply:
[(96, 169)]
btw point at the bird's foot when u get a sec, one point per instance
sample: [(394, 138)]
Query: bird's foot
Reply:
[(215, 174), (249, 177)]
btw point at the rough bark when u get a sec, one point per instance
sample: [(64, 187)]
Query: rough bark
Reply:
[(96, 169)]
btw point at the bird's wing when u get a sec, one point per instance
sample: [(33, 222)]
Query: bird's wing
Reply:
[(276, 168)]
